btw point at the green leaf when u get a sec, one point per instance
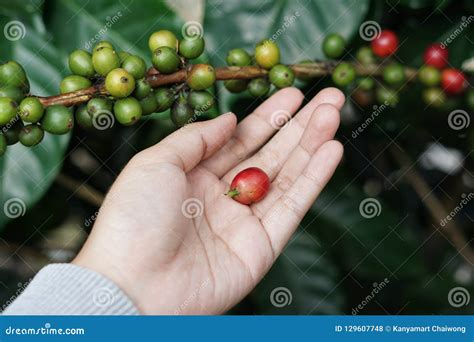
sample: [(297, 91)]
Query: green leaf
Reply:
[(26, 173), (304, 280)]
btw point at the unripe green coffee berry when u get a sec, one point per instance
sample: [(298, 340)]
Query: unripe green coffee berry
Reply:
[(80, 63), (7, 110), (135, 65), (162, 38), (334, 45), (11, 132), (435, 97), (57, 119), (267, 54), (15, 93), (102, 44), (394, 74), (149, 104), (165, 60), (83, 118), (13, 74), (3, 145), (366, 83), (387, 95), (142, 89), (182, 113), (238, 57), (201, 101), (122, 55), (201, 76), (30, 109), (191, 48), (236, 86), (98, 105), (281, 76), (429, 76), (119, 83), (31, 135), (343, 74), (164, 98), (128, 111), (73, 83), (259, 87), (365, 56), (105, 60)]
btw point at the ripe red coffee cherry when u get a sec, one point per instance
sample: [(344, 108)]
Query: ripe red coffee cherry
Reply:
[(436, 56), (249, 186), (453, 81), (385, 44)]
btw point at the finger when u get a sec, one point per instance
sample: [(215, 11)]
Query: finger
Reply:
[(189, 145), (283, 218), (321, 128), (255, 130), (274, 154)]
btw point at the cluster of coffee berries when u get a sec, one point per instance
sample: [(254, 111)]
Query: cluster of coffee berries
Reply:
[(267, 56)]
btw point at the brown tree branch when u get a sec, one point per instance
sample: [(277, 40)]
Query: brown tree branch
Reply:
[(316, 69)]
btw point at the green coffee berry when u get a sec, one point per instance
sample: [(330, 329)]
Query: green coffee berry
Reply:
[(13, 74), (15, 93), (394, 74), (149, 104), (162, 38), (334, 45), (182, 113), (238, 57), (164, 98), (8, 109), (102, 44), (267, 54), (57, 119), (201, 76), (3, 145), (119, 83), (73, 83), (236, 86), (11, 132), (201, 101), (387, 95), (366, 83), (98, 105), (80, 63), (142, 89), (343, 74), (128, 111), (31, 135), (191, 48), (83, 118), (259, 87), (434, 97), (365, 56), (429, 75), (281, 76), (105, 60), (135, 65), (122, 55), (30, 109), (165, 60)]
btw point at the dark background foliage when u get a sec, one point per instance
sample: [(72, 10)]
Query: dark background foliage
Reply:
[(337, 255)]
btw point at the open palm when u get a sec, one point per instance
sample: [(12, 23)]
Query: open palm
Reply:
[(175, 243)]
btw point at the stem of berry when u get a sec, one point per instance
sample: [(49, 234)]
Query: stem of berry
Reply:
[(232, 193)]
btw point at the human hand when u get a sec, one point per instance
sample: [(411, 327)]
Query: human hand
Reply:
[(168, 262)]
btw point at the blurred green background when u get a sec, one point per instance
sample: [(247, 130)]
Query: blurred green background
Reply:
[(338, 256)]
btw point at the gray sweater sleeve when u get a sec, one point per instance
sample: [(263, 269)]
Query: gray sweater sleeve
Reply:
[(67, 289)]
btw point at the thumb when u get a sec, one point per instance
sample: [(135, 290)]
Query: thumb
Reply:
[(192, 143)]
